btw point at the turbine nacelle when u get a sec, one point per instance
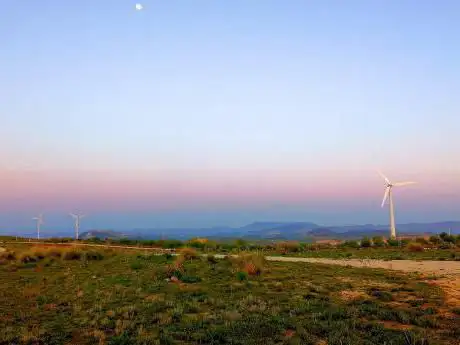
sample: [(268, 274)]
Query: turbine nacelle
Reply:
[(389, 185)]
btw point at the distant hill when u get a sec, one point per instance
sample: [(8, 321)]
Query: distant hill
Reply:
[(302, 231), (101, 234), (277, 230)]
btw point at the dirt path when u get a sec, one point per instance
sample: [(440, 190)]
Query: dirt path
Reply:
[(425, 266)]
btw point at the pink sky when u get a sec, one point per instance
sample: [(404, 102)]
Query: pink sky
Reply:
[(166, 190)]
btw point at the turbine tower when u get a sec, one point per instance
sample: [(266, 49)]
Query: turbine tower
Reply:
[(388, 195), (39, 221), (77, 218)]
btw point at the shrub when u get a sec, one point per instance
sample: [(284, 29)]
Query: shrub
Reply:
[(393, 243), (378, 241), (252, 264), (71, 254), (350, 244), (421, 240), (415, 247), (212, 259), (176, 268), (435, 239), (92, 255), (136, 265), (188, 253), (189, 279), (241, 275), (288, 247), (27, 257), (7, 256), (366, 242), (167, 256), (171, 244)]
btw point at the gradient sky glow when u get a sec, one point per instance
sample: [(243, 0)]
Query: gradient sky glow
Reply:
[(203, 113)]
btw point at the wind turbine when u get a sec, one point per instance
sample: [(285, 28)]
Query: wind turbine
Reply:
[(77, 218), (388, 195), (39, 221)]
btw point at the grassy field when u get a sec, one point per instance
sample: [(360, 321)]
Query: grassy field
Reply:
[(70, 296), (379, 253)]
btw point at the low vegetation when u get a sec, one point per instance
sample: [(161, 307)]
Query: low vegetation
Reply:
[(74, 296)]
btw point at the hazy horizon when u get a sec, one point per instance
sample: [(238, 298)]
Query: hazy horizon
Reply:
[(221, 114)]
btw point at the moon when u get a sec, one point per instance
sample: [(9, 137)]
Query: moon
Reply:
[(139, 7)]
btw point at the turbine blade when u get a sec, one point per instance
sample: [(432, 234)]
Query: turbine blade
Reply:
[(72, 214), (385, 196), (384, 177), (399, 184)]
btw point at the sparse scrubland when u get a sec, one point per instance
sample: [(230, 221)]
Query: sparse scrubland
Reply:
[(68, 295), (439, 247)]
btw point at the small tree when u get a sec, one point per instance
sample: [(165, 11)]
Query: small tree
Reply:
[(393, 243), (350, 244), (435, 239)]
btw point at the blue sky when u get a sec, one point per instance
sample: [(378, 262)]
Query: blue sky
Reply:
[(229, 88)]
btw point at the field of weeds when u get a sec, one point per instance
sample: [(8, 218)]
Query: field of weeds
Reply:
[(76, 296)]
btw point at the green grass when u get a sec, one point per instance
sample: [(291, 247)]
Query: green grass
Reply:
[(378, 253), (128, 298)]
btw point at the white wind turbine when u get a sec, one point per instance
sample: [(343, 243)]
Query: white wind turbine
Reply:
[(39, 221), (77, 218), (388, 195)]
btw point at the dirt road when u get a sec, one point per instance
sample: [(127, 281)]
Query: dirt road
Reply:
[(425, 266)]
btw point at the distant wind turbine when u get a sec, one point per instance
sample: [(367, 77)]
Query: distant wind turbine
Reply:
[(77, 218), (388, 195), (39, 221)]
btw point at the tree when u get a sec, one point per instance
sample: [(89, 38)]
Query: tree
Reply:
[(443, 235), (393, 243), (435, 239)]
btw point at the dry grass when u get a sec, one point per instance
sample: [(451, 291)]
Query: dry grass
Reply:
[(415, 247), (188, 253), (352, 295), (251, 263)]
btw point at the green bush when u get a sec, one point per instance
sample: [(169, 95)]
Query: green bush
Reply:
[(92, 255), (378, 241), (72, 255), (212, 259), (136, 265), (241, 275), (366, 242), (189, 279), (393, 243)]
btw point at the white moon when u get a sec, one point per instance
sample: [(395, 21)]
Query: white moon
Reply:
[(139, 7)]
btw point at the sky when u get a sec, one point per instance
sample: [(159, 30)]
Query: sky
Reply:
[(211, 113)]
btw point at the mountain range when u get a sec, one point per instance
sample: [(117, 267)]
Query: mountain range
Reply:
[(306, 231)]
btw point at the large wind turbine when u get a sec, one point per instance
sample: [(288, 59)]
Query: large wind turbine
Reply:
[(77, 218), (388, 195), (39, 221)]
